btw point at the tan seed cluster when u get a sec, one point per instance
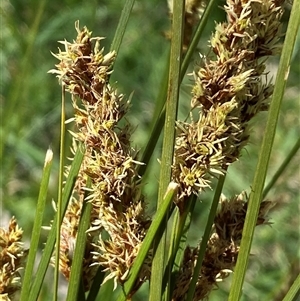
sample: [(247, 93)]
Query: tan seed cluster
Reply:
[(109, 162), (228, 93), (222, 248), (12, 260)]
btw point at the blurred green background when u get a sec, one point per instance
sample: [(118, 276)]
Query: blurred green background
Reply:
[(30, 123)]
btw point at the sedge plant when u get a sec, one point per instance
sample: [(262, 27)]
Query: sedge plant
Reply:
[(103, 239)]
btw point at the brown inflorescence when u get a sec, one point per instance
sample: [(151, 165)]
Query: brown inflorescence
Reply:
[(109, 162), (228, 93), (12, 260), (222, 248)]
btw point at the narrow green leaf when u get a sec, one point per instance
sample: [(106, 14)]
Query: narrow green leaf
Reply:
[(116, 43), (205, 238), (282, 167), (60, 191), (153, 138), (107, 290), (160, 117), (158, 263), (264, 156), (294, 290), (43, 265), (151, 234), (98, 279), (212, 4), (180, 230), (76, 269), (161, 97), (157, 122), (36, 231)]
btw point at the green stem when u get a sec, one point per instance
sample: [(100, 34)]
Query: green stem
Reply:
[(98, 279), (60, 190), (212, 4), (158, 264), (76, 269), (160, 117), (294, 290), (151, 234), (205, 238), (116, 43), (181, 225), (47, 252), (265, 152), (36, 231), (282, 167)]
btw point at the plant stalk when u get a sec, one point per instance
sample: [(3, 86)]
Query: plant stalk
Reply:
[(158, 264)]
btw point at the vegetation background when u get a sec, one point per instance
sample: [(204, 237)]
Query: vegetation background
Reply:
[(30, 123)]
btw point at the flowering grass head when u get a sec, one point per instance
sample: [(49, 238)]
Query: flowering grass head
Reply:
[(228, 92), (110, 161), (12, 260)]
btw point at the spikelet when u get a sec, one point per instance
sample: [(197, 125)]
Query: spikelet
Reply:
[(12, 259), (228, 92), (222, 248), (109, 161)]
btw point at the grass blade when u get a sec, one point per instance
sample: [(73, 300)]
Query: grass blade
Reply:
[(42, 268), (36, 231), (76, 269), (116, 43), (60, 190), (264, 156), (160, 117), (158, 263), (205, 238), (107, 290), (212, 4), (151, 234), (96, 285), (294, 290), (178, 242), (281, 168)]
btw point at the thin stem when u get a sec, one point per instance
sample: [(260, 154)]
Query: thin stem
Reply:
[(181, 225), (294, 290), (281, 168), (205, 238), (151, 234), (36, 231), (264, 155), (98, 279), (48, 250), (212, 4), (116, 43), (76, 269), (60, 190), (160, 117), (158, 264)]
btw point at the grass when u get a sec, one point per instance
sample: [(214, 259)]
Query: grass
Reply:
[(30, 108)]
